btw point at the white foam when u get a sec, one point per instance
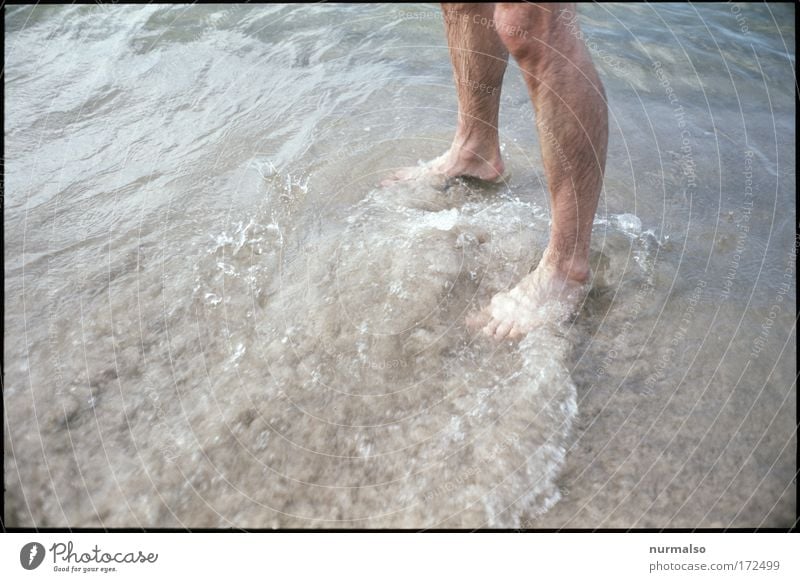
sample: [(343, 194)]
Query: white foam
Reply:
[(385, 411), (458, 437), (442, 220)]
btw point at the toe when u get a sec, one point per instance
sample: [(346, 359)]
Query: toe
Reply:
[(515, 333), (478, 320), (491, 327), (503, 329), (395, 177)]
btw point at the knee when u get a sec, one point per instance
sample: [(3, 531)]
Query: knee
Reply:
[(528, 29), (457, 7)]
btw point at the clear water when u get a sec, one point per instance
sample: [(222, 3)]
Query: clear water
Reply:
[(213, 317)]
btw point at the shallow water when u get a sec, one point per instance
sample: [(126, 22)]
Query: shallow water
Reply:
[(214, 318)]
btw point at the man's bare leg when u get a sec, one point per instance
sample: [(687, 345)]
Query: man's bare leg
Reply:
[(572, 120), (479, 60)]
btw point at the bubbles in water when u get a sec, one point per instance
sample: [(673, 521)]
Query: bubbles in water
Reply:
[(387, 411)]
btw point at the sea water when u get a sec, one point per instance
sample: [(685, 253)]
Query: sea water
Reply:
[(214, 317)]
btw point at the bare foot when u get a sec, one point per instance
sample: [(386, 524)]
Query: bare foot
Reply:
[(457, 162), (543, 296)]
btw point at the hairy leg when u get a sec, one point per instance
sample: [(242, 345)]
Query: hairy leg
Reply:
[(479, 61), (572, 121)]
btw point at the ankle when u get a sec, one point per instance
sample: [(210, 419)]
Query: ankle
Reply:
[(568, 267), (476, 145), (474, 156)]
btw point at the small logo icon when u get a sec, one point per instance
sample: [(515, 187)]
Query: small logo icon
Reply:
[(31, 555)]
